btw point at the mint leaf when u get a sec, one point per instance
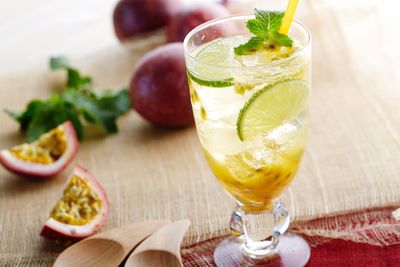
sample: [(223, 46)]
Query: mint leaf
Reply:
[(102, 108), (77, 103), (75, 80), (281, 39), (88, 106), (25, 117), (57, 63), (41, 116), (49, 115), (251, 46), (265, 27), (257, 28), (271, 19), (116, 101), (13, 114), (41, 122)]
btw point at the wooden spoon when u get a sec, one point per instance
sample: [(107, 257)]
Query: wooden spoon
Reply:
[(162, 248), (109, 248)]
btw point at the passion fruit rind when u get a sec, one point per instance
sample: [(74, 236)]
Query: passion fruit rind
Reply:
[(61, 227), (45, 157)]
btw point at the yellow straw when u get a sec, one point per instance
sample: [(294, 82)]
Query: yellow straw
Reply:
[(288, 17)]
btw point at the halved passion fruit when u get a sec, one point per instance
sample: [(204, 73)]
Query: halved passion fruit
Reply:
[(80, 212), (46, 156)]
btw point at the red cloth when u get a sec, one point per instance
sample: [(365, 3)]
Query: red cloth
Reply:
[(334, 253), (374, 226), (346, 253)]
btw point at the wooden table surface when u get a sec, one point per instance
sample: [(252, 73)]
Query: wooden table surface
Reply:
[(352, 161)]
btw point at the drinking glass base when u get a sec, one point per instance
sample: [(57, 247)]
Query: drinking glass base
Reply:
[(292, 251)]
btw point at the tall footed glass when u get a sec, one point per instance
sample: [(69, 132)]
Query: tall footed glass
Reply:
[(251, 118)]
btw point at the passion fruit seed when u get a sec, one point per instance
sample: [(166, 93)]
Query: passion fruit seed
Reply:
[(272, 145), (242, 88), (203, 113), (46, 150), (194, 96), (54, 141), (79, 204)]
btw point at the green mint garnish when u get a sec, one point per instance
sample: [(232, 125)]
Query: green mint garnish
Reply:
[(265, 27), (74, 78), (78, 103)]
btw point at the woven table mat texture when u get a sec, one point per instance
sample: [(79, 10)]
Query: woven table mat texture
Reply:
[(351, 163)]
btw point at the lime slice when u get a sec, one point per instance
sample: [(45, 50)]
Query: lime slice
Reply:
[(211, 83), (271, 107), (214, 63)]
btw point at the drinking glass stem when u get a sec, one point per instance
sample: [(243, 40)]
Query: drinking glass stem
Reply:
[(259, 232), (236, 224)]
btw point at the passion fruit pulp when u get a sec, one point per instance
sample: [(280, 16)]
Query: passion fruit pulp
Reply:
[(79, 204), (46, 156), (81, 211)]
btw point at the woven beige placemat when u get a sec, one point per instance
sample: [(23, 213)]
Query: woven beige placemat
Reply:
[(352, 160)]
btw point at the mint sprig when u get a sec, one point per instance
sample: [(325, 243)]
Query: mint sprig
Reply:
[(78, 103), (265, 27), (75, 80)]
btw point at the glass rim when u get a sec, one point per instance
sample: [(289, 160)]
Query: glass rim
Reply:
[(243, 16)]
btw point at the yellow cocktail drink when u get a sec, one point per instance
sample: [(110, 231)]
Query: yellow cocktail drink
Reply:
[(252, 122)]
